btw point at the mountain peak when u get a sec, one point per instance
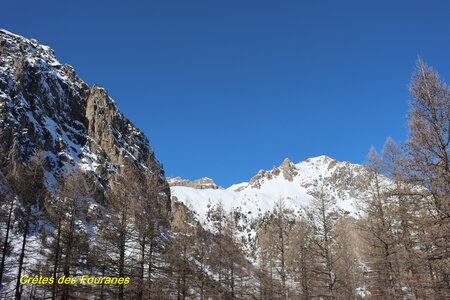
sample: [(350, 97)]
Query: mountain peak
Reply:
[(320, 158), (286, 162)]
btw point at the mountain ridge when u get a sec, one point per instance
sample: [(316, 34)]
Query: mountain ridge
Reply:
[(295, 183)]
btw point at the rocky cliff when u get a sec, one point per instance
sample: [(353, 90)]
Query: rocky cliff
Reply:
[(202, 183), (45, 106)]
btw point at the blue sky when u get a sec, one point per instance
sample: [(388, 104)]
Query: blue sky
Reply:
[(225, 88)]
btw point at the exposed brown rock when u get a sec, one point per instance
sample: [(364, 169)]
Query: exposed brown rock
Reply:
[(201, 184)]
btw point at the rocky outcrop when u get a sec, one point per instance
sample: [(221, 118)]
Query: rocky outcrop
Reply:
[(287, 169), (256, 180), (201, 184)]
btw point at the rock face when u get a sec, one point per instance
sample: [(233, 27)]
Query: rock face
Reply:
[(287, 169), (45, 106), (201, 184)]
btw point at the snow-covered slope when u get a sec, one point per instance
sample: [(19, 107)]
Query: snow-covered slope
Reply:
[(293, 182)]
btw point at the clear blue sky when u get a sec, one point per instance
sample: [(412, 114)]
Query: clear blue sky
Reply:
[(225, 88)]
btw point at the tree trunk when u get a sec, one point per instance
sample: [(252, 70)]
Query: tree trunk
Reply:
[(141, 285), (18, 293), (55, 266), (122, 254), (5, 244)]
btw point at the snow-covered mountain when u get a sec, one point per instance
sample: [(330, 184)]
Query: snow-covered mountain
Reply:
[(293, 182)]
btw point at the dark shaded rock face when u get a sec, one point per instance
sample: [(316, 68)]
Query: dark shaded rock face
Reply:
[(45, 106)]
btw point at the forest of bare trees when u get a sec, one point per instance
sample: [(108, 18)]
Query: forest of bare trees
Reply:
[(399, 247)]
